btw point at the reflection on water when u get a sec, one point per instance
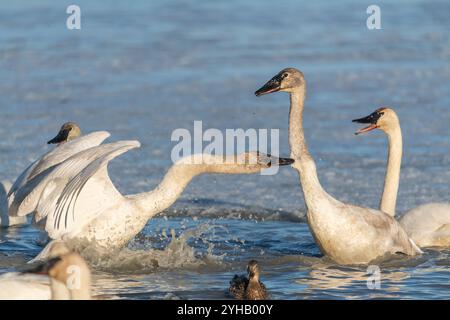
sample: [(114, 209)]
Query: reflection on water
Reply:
[(164, 64)]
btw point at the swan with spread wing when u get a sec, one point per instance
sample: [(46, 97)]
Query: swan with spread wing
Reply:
[(69, 142), (80, 202)]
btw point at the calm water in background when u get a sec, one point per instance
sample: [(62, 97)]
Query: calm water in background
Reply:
[(142, 69)]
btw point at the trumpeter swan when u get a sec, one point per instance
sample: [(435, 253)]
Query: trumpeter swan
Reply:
[(428, 224), (249, 288), (69, 143), (348, 234), (65, 276), (79, 201), (68, 132), (70, 277)]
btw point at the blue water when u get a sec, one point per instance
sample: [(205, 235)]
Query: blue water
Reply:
[(142, 69)]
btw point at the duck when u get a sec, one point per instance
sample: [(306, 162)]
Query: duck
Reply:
[(347, 234), (69, 141), (249, 287), (428, 224), (80, 203)]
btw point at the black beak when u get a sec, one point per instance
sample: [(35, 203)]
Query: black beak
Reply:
[(371, 119), (60, 137), (285, 161), (273, 85), (44, 267)]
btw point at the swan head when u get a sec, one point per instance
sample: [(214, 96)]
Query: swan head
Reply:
[(287, 80), (253, 269), (69, 269), (68, 131), (383, 118)]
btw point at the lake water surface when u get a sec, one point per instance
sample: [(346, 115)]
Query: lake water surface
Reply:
[(142, 69)]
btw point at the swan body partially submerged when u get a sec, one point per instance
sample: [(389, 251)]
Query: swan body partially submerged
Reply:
[(429, 224), (346, 233), (64, 276)]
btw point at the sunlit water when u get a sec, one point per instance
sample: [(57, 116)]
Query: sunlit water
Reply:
[(142, 69)]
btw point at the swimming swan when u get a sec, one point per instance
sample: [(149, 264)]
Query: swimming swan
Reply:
[(79, 201), (428, 224), (348, 234), (65, 276), (70, 277), (243, 288)]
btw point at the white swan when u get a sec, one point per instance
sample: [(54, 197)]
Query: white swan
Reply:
[(68, 132), (346, 233), (24, 286), (69, 143), (62, 278), (65, 276), (429, 224), (80, 202)]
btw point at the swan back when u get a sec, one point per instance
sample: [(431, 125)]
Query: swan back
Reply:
[(24, 286), (428, 224)]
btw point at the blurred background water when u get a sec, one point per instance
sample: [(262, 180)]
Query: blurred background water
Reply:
[(141, 69)]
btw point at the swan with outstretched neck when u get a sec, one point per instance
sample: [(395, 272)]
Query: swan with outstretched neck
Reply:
[(429, 224), (80, 202), (69, 141), (346, 233)]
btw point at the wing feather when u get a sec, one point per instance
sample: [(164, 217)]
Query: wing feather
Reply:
[(61, 214), (54, 157)]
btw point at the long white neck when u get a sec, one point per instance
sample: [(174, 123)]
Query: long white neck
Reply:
[(392, 178), (179, 176), (304, 163)]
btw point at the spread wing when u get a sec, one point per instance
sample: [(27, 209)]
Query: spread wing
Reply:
[(68, 149), (56, 156), (65, 197), (54, 178)]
